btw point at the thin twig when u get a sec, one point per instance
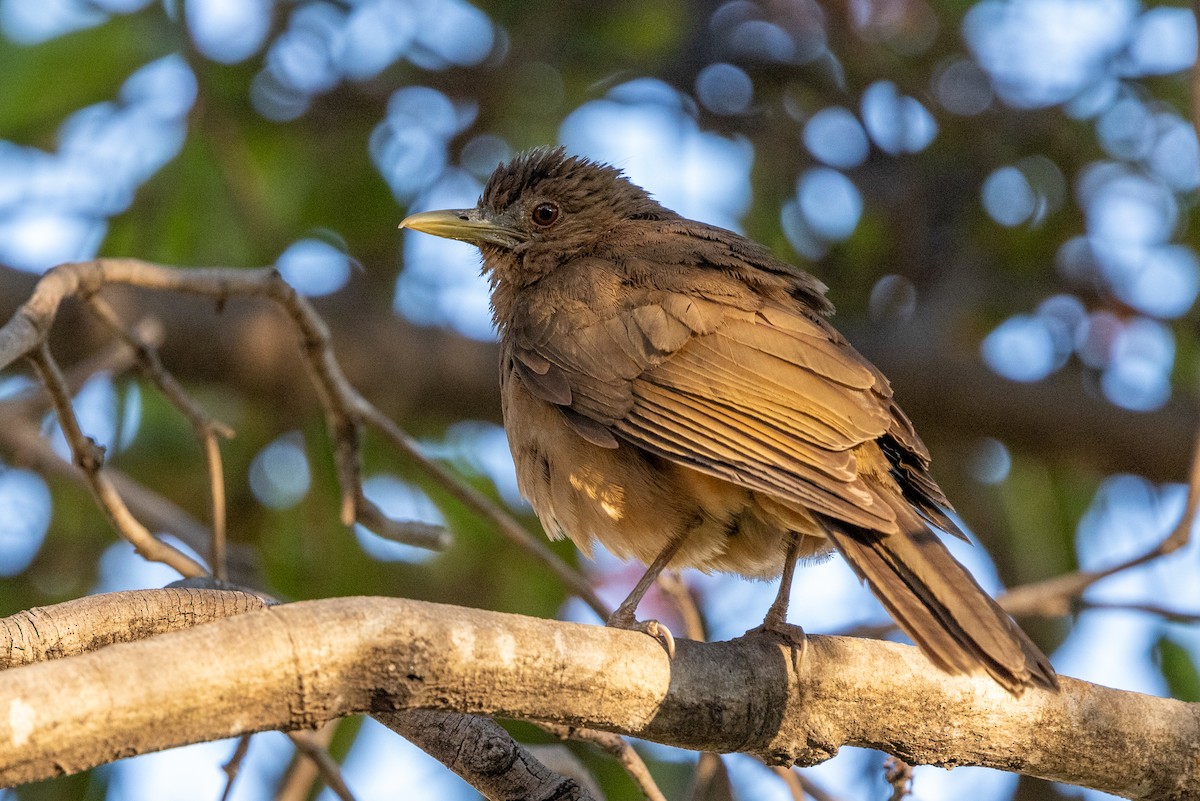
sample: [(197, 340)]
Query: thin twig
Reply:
[(801, 786), (25, 334), (1169, 615), (899, 775), (405, 531), (25, 440), (89, 457), (1054, 596), (344, 407), (312, 745), (710, 769), (205, 427), (619, 747), (216, 494), (791, 780), (32, 402), (302, 773), (234, 765)]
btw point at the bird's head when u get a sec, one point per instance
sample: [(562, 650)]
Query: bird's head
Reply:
[(541, 209)]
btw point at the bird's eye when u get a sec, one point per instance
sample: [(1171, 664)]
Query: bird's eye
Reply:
[(545, 213)]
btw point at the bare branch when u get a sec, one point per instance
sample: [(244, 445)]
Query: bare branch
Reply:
[(899, 775), (317, 660), (409, 532), (234, 765), (1169, 615), (315, 748), (26, 441), (483, 753), (86, 624), (1054, 596), (672, 583), (620, 748), (89, 457), (57, 632), (302, 773), (344, 406), (815, 790), (206, 429)]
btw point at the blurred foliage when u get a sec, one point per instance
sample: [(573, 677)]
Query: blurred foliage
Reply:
[(243, 187)]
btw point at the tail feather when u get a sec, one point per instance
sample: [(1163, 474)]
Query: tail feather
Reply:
[(941, 607)]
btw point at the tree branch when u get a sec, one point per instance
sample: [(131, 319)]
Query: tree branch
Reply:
[(483, 753), (474, 747), (87, 624), (298, 665), (345, 409)]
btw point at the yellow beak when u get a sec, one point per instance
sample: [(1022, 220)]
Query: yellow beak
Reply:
[(465, 225)]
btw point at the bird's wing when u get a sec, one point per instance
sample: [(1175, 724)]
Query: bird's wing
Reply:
[(768, 398)]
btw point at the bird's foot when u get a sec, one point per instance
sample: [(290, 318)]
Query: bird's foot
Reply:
[(620, 620), (790, 635)]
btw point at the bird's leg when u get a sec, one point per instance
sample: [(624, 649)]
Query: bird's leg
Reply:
[(775, 622), (626, 615), (777, 614)]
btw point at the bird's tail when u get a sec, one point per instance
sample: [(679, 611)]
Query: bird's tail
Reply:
[(941, 607)]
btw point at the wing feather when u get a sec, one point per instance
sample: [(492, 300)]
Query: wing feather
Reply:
[(772, 400)]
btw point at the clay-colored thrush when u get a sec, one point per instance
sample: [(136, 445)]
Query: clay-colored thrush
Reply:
[(674, 391)]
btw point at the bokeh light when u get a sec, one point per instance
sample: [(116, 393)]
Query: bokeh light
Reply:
[(53, 206), (830, 202), (279, 473), (724, 89), (1133, 264), (95, 406), (893, 300), (835, 136), (647, 128), (228, 31), (962, 88), (1041, 52), (194, 771), (26, 502), (990, 461), (897, 123), (122, 568), (440, 284), (1008, 197), (1022, 348), (314, 267)]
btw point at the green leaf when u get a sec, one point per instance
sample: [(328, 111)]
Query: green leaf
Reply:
[(1179, 669)]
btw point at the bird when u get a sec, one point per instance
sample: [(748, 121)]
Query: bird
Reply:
[(674, 391)]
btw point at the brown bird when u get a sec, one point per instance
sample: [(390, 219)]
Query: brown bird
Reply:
[(674, 391)]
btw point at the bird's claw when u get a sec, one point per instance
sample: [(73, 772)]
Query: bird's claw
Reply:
[(652, 627), (789, 634)]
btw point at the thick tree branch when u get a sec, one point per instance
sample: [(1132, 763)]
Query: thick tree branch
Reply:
[(475, 747), (298, 665), (87, 624)]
